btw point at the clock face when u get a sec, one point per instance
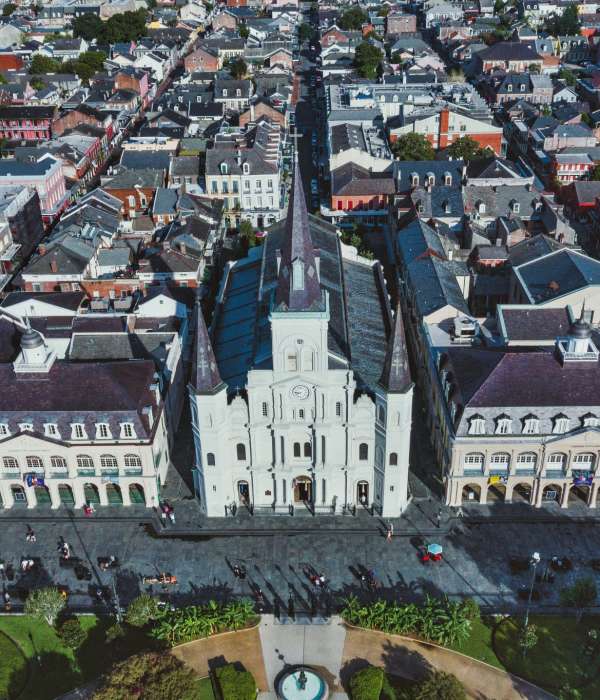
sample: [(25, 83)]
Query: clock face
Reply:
[(300, 392)]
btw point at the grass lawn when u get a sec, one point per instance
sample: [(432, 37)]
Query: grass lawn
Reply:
[(13, 669), (53, 668), (204, 689), (479, 645), (558, 657)]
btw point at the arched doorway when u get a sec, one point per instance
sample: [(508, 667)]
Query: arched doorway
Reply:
[(19, 495), (136, 494), (552, 492), (521, 493), (496, 492), (243, 492), (42, 495), (579, 494), (471, 493), (303, 489), (65, 493), (114, 495), (90, 493), (362, 493)]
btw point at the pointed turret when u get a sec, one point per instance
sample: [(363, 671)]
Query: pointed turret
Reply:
[(205, 373), (298, 288), (395, 378)]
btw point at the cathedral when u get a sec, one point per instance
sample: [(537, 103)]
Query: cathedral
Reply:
[(300, 391)]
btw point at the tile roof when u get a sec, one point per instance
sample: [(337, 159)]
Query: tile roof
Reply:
[(534, 323)]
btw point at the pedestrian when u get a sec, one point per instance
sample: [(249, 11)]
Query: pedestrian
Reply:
[(30, 535), (459, 512), (7, 603), (172, 515), (439, 518)]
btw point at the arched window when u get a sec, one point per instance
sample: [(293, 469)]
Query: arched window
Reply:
[(308, 361), (473, 460), (561, 424), (291, 361), (363, 451), (531, 425), (393, 459), (503, 425), (307, 449), (481, 207), (34, 463), (477, 425), (297, 452), (108, 462), (58, 462), (500, 460), (557, 460), (223, 168), (133, 461), (241, 451), (210, 459), (526, 460), (85, 462), (447, 178), (246, 168), (10, 463)]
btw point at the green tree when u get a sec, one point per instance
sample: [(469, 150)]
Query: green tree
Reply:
[(44, 64), (305, 32), (413, 146), (367, 59), (114, 633), (71, 633), (467, 149), (568, 693), (3, 80), (244, 32), (353, 18), (8, 9), (470, 609), (568, 76), (142, 610), (45, 604), (237, 67), (248, 233), (87, 26), (440, 686), (528, 638), (580, 595), (366, 684), (594, 173), (565, 24), (236, 685), (147, 675), (396, 57)]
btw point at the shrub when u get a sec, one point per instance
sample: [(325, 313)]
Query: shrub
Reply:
[(366, 684), (441, 686), (236, 685), (470, 609), (142, 610), (45, 603), (71, 633), (113, 633)]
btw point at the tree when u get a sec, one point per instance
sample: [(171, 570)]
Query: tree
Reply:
[(305, 32), (8, 9), (236, 685), (71, 633), (248, 233), (568, 693), (45, 604), (528, 638), (125, 26), (237, 67), (44, 64), (142, 610), (88, 26), (565, 24), (467, 149), (353, 18), (441, 686), (413, 147), (244, 32), (456, 75), (534, 68), (366, 684), (148, 675), (114, 633), (367, 59), (568, 76), (594, 173), (580, 595), (396, 57), (470, 609)]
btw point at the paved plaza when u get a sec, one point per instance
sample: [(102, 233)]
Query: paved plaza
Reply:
[(278, 552)]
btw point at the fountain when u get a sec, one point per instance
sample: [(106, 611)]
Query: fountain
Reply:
[(302, 683)]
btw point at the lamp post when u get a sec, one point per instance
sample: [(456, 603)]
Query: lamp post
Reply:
[(535, 560)]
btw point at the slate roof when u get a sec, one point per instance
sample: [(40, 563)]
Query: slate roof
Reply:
[(351, 179), (142, 160), (509, 51), (120, 346), (64, 300), (532, 248), (346, 136), (165, 201), (403, 170), (534, 323), (205, 371), (395, 377), (488, 168), (558, 273), (499, 200), (441, 201)]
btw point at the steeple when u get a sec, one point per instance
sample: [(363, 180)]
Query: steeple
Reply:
[(395, 378), (205, 373), (298, 288)]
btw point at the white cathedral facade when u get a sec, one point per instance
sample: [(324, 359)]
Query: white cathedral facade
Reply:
[(301, 394)]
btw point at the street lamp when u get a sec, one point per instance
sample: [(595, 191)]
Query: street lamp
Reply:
[(535, 560)]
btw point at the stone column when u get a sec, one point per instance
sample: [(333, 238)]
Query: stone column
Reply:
[(31, 497), (78, 493), (102, 494), (7, 496), (54, 495), (593, 494), (564, 497), (125, 494)]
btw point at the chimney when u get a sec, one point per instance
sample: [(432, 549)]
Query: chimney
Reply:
[(53, 266), (149, 413), (182, 248), (278, 257)]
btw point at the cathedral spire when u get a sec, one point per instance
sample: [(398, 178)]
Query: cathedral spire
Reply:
[(395, 378), (205, 373), (298, 288)]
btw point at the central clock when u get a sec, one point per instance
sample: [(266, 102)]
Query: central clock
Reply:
[(300, 392)]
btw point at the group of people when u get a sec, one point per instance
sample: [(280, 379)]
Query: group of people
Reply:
[(107, 563), (27, 564), (88, 509), (64, 548), (318, 580), (239, 571), (166, 511)]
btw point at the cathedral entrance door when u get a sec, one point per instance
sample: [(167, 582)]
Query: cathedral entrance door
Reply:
[(303, 490), (243, 492)]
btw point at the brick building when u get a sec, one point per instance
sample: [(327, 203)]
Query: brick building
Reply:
[(20, 122)]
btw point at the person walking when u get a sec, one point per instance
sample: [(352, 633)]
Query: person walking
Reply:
[(30, 535), (460, 512), (172, 516), (439, 518)]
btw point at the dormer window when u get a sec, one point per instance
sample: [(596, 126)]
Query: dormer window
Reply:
[(430, 179), (127, 431), (522, 87), (420, 207), (447, 208), (51, 430), (224, 92), (102, 431), (78, 431), (447, 179), (561, 424), (509, 88), (531, 425), (223, 168), (414, 179), (246, 168), (590, 421), (4, 430), (515, 207), (503, 425), (26, 427), (477, 425), (238, 93), (481, 207)]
